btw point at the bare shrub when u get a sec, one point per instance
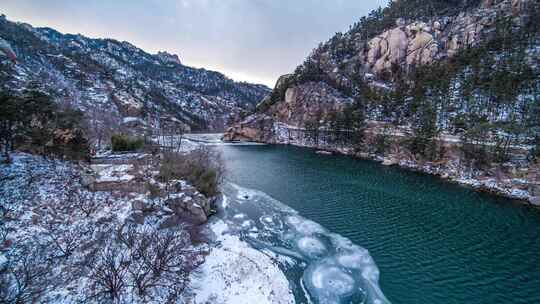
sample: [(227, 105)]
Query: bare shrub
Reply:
[(159, 260), (203, 168), (64, 241), (83, 201), (108, 276), (25, 278)]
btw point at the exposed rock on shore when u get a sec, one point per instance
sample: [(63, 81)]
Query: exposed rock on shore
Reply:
[(137, 174)]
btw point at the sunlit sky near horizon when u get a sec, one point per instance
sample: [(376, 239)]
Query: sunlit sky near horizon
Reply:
[(247, 40)]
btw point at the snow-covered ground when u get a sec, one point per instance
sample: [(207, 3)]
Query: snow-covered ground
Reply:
[(236, 273), (60, 243), (265, 252)]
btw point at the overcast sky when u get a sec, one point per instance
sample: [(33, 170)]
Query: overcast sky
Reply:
[(251, 40)]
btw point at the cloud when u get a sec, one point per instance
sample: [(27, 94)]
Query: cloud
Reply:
[(252, 40)]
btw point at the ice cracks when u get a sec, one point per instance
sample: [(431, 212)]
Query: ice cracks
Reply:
[(333, 269)]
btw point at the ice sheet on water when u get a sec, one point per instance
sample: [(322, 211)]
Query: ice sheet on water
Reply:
[(329, 283), (311, 247), (334, 270)]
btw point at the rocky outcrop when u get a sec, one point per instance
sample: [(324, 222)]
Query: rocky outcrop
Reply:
[(7, 51), (169, 58), (390, 48), (421, 43), (189, 204), (254, 128), (309, 102), (137, 175)]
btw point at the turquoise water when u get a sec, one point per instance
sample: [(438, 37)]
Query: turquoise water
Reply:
[(434, 242)]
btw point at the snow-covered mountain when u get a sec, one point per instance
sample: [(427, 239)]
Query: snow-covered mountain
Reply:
[(447, 87), (112, 78)]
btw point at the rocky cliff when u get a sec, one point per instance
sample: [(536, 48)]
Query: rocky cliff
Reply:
[(117, 80), (442, 87)]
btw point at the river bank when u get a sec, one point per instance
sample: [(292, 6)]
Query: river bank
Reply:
[(512, 189), (512, 179)]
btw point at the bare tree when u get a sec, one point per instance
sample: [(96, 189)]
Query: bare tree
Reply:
[(101, 124), (108, 276), (63, 242), (26, 277), (158, 259), (170, 134)]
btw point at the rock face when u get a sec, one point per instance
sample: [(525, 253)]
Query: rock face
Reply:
[(7, 51), (421, 43), (169, 58), (390, 48), (111, 80), (254, 128), (306, 103)]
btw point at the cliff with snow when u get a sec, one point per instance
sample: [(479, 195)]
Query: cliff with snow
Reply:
[(446, 87)]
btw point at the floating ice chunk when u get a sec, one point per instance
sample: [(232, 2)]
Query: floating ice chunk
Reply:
[(240, 216), (329, 283), (303, 226), (335, 270), (311, 247), (249, 225), (355, 259), (370, 273), (267, 219), (271, 223)]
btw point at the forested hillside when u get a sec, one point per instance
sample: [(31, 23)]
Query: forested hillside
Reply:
[(443, 82), (117, 83)]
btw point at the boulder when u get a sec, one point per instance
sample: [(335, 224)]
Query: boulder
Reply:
[(170, 222), (88, 180), (137, 217), (423, 48), (194, 208), (535, 200), (388, 49), (390, 161), (420, 43)]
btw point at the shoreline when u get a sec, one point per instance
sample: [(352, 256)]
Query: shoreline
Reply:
[(489, 186)]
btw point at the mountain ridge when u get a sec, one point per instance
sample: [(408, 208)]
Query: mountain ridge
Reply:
[(107, 75)]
